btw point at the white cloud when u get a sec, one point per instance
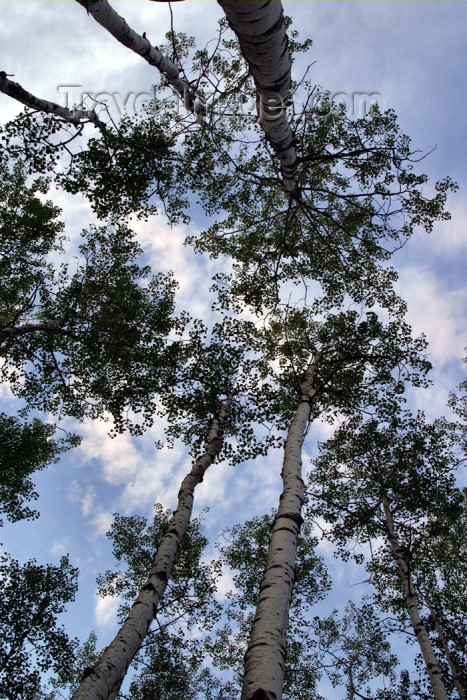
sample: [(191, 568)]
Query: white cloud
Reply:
[(87, 502), (74, 492), (158, 479), (105, 611), (119, 456), (435, 310), (146, 474), (164, 247), (61, 547), (102, 522), (225, 584), (450, 238)]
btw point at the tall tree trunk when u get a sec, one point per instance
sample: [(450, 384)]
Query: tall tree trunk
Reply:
[(447, 652), (411, 600), (108, 18), (103, 681), (265, 655), (260, 30)]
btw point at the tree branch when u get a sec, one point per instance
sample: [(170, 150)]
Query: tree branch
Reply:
[(17, 92)]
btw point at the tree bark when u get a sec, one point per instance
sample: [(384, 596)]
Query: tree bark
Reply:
[(411, 600), (46, 326), (447, 652), (75, 117), (108, 18), (103, 681), (260, 30), (265, 655)]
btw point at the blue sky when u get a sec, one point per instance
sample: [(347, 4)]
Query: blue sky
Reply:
[(414, 55)]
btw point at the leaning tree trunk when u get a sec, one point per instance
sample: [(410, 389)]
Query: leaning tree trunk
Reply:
[(103, 680), (110, 20), (411, 601), (260, 30), (447, 652), (265, 655), (75, 117)]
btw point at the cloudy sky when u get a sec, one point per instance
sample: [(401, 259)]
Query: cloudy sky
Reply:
[(412, 55)]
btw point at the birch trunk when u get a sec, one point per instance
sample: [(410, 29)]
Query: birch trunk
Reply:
[(447, 652), (14, 90), (411, 600), (265, 655), (47, 326), (103, 681), (114, 23), (260, 30)]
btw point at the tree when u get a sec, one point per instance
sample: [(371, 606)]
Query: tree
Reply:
[(87, 336), (24, 449), (168, 647), (244, 549), (264, 658), (106, 676), (31, 642), (385, 477), (261, 34), (355, 179), (354, 650), (440, 579)]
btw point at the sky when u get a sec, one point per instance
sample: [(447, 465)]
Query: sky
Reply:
[(412, 56)]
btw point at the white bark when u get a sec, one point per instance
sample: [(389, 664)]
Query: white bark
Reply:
[(447, 652), (265, 655), (48, 326), (103, 681), (75, 117), (411, 600), (260, 30), (108, 18)]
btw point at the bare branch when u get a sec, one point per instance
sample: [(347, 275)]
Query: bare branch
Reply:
[(75, 117)]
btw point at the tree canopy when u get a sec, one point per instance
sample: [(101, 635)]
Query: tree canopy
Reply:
[(302, 210)]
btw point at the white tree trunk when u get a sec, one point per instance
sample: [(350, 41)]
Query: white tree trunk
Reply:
[(108, 18), (447, 652), (260, 30), (411, 600), (265, 655), (76, 117), (103, 681), (46, 326)]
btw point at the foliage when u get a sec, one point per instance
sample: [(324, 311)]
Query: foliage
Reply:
[(99, 336), (130, 169), (398, 466), (101, 171), (354, 651), (25, 448), (29, 233), (31, 642), (69, 677), (84, 337), (361, 197)]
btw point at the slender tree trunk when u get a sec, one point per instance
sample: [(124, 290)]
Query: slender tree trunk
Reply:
[(411, 600), (260, 30), (45, 326), (103, 681), (114, 23), (76, 117), (265, 655), (447, 652)]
